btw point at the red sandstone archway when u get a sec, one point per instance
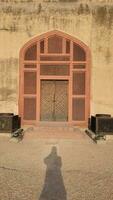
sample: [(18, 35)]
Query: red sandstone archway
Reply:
[(54, 79)]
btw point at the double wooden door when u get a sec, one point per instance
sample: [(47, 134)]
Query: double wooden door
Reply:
[(54, 100)]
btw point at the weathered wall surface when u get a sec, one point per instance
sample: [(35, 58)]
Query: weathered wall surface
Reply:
[(89, 21)]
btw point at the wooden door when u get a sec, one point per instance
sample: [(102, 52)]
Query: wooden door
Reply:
[(54, 100)]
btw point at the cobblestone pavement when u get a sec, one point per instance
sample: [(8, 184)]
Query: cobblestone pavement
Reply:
[(55, 169)]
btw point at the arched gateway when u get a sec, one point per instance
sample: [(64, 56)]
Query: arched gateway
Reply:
[(54, 79)]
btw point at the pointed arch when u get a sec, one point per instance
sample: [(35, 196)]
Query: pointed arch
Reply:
[(55, 56)]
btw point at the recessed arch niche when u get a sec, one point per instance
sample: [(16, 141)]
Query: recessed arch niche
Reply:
[(54, 80)]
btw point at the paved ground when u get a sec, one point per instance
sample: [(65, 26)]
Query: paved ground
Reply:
[(55, 168)]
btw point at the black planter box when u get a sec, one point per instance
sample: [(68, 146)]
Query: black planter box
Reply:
[(101, 124), (9, 122)]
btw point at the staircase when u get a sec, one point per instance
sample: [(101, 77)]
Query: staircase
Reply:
[(59, 131)]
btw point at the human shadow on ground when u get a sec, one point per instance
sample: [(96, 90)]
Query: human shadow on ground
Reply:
[(53, 188)]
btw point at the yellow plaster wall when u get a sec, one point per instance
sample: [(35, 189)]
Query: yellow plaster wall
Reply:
[(89, 21)]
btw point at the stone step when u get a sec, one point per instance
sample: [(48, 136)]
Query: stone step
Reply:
[(50, 129), (54, 133)]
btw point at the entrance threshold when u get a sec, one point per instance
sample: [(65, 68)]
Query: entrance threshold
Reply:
[(54, 124), (53, 131)]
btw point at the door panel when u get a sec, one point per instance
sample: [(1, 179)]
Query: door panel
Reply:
[(78, 112), (54, 100), (79, 83), (30, 82), (29, 108), (61, 101), (47, 95)]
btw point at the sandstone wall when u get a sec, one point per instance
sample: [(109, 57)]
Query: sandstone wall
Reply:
[(90, 21)]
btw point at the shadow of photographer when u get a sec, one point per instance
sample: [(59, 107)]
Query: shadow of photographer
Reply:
[(53, 188)]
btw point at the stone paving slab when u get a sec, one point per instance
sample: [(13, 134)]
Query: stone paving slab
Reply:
[(77, 169)]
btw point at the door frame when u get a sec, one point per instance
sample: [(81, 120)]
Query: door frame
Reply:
[(69, 78)]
